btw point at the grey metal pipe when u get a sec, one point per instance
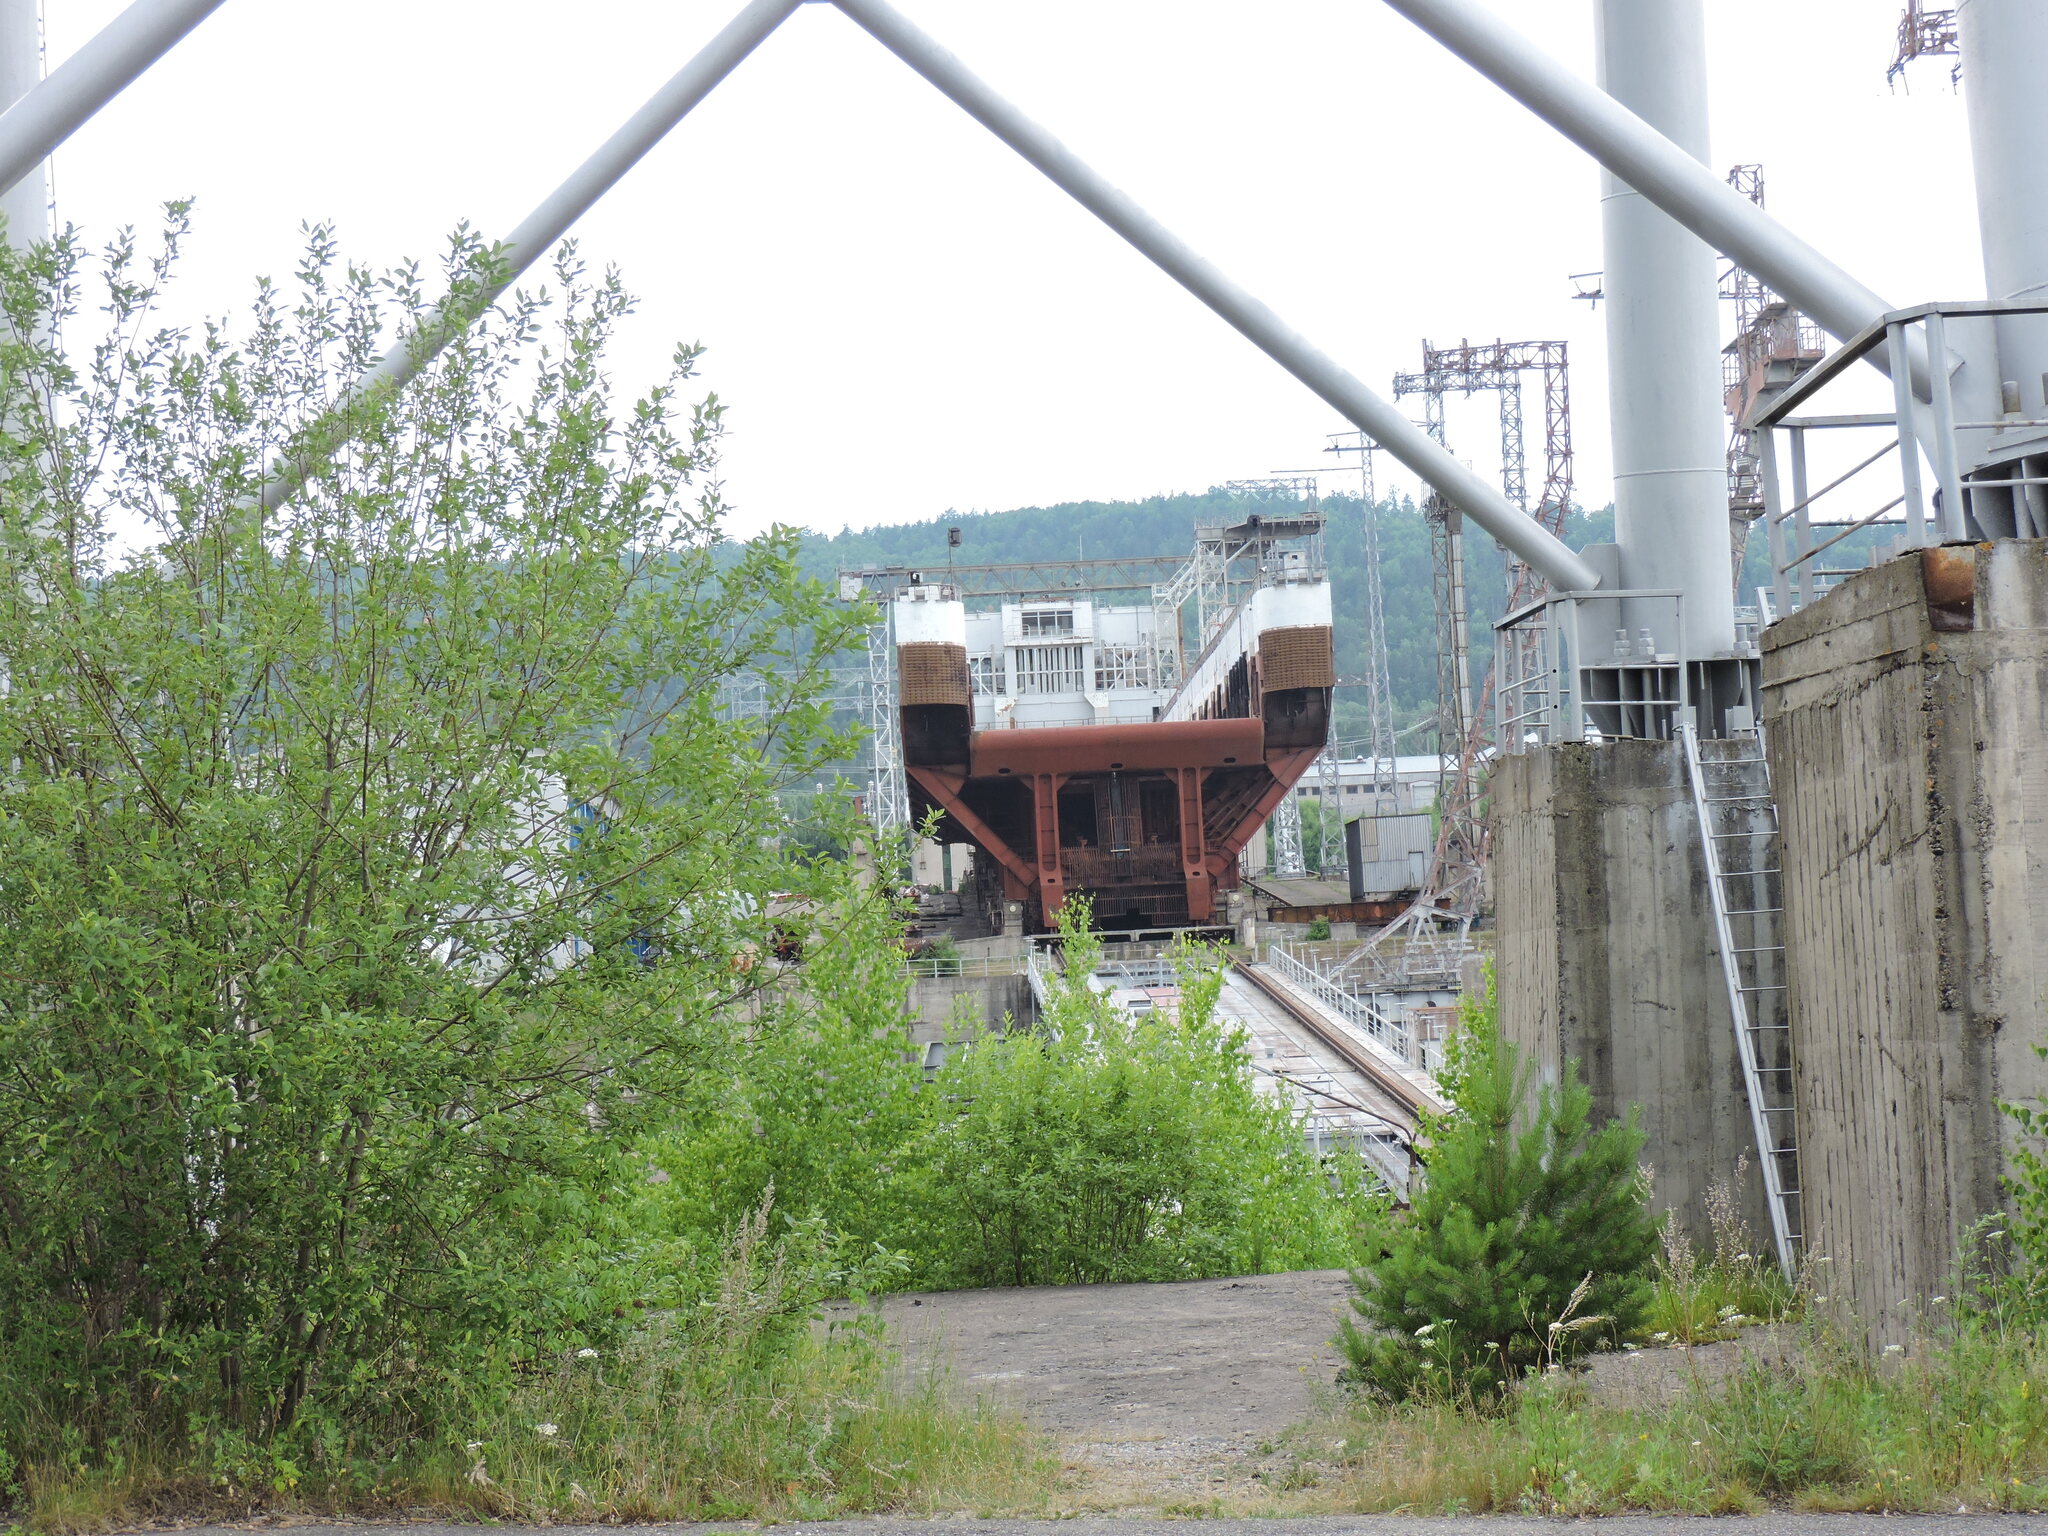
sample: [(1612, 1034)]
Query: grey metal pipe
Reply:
[(26, 204), (35, 125), (1653, 165), (2005, 61), (539, 231), (1371, 414), (1663, 338)]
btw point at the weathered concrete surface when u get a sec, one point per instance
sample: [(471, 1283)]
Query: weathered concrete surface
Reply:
[(1606, 955), (1913, 789), (961, 1007)]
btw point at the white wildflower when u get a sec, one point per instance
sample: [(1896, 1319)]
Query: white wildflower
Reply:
[(547, 1431), (1660, 1338), (586, 1354), (1895, 1349), (472, 1445), (1935, 1301), (1425, 1330)]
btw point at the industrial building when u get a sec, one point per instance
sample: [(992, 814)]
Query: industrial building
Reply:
[(1127, 754)]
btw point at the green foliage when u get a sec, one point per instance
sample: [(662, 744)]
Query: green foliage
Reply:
[(1956, 1414), (819, 1110), (1102, 1146), (376, 873), (1739, 1284), (1523, 1240), (1319, 929)]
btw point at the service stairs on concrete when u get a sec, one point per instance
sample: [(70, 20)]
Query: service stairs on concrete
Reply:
[(1738, 820)]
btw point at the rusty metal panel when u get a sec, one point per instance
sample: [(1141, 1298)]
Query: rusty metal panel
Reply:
[(1298, 657), (932, 672)]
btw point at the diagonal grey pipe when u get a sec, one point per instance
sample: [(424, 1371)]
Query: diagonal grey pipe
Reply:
[(1371, 414), (1657, 168), (34, 126), (536, 235)]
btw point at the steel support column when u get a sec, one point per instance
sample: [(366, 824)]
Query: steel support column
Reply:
[(1663, 338)]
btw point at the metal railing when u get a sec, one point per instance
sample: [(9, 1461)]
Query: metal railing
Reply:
[(971, 967), (1565, 677), (1966, 456), (1343, 1003)]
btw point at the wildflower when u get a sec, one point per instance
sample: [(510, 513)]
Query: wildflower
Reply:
[(547, 1431), (1935, 1301), (586, 1354), (1660, 1338), (1695, 1442), (1895, 1349), (472, 1445), (1725, 1313), (1425, 1330), (1821, 1299), (1742, 1258)]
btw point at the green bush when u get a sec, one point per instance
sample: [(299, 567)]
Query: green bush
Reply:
[(376, 873), (1106, 1147), (1530, 1236)]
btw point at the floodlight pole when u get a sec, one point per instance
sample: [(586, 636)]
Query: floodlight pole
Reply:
[(32, 127), (1659, 169), (1381, 421), (537, 234)]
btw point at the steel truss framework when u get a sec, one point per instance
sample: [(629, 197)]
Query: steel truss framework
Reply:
[(1456, 881)]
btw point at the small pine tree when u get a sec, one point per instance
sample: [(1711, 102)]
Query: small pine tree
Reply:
[(1523, 1240)]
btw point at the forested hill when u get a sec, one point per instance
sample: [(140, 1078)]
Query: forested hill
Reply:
[(1164, 525)]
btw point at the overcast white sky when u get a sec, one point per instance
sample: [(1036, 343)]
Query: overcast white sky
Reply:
[(902, 317)]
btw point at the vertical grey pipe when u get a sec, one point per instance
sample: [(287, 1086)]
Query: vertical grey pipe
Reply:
[(2005, 89), (26, 204), (539, 231), (1376, 417), (1663, 337)]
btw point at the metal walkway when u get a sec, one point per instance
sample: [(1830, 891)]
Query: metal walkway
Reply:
[(1738, 818)]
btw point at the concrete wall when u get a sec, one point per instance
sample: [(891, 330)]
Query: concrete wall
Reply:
[(1605, 953), (1913, 790), (958, 1007)]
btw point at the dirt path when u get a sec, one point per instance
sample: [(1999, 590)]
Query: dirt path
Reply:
[(1159, 1394)]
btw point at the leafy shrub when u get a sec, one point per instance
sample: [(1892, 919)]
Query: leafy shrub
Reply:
[(1522, 1240), (376, 872), (1319, 929), (1105, 1147)]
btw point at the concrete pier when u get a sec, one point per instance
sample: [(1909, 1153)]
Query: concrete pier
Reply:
[(1606, 955), (1907, 716)]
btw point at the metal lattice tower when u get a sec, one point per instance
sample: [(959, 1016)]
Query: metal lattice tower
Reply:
[(1378, 673), (1773, 345), (1923, 33), (1455, 881), (888, 799)]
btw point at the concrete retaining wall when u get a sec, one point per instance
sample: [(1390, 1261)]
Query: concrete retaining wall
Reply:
[(1605, 954), (960, 1007), (1913, 789)]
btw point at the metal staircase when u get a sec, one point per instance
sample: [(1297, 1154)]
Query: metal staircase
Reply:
[(1738, 816)]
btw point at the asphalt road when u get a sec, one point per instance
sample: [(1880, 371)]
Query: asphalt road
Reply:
[(1308, 1525)]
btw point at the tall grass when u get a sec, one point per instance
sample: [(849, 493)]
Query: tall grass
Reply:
[(1956, 1416), (750, 1406)]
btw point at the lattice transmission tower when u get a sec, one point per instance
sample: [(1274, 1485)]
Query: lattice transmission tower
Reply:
[(1456, 878)]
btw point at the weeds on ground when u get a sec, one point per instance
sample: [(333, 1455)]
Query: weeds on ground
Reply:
[(750, 1404), (1699, 1300), (1956, 1416)]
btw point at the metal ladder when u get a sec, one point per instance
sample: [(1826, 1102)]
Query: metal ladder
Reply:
[(1738, 816)]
